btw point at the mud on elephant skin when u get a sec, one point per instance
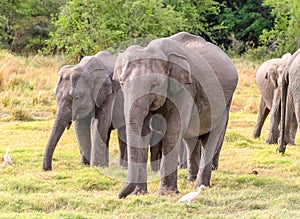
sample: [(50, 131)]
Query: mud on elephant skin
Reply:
[(190, 82), (290, 99), (84, 91), (268, 80)]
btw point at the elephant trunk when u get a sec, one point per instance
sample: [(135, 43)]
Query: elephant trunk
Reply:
[(62, 120), (83, 135), (283, 116), (137, 127)]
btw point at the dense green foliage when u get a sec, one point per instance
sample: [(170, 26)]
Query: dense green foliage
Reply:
[(81, 27), (284, 35), (25, 24)]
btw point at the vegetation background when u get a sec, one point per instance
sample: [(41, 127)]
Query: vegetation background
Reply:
[(37, 37)]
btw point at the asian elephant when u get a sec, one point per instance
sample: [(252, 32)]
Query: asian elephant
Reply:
[(290, 98), (86, 91), (190, 83), (268, 80)]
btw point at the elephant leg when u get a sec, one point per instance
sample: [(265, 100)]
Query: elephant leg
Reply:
[(210, 146), (183, 155), (123, 157), (100, 138), (293, 130), (215, 162), (193, 157), (262, 115), (170, 150), (275, 119), (155, 156)]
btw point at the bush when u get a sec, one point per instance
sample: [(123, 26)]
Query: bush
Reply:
[(19, 113)]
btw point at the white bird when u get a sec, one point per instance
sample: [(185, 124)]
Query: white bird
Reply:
[(7, 158), (190, 196)]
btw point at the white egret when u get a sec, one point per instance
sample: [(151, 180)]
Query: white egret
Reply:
[(7, 158), (190, 196)]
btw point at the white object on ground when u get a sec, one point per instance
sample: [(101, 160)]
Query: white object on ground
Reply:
[(190, 196), (7, 158)]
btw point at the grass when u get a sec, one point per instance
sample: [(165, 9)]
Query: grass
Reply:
[(75, 191)]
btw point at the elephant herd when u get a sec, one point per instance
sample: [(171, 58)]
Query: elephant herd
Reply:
[(173, 95), (278, 81)]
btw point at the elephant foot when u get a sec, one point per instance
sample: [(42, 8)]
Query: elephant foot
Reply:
[(123, 164), (191, 179), (155, 167), (291, 144), (168, 190), (183, 165), (141, 188), (203, 179), (127, 190), (85, 161), (271, 141), (214, 166)]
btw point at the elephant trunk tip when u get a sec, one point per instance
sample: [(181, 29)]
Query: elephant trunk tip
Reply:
[(282, 146), (47, 167), (127, 190)]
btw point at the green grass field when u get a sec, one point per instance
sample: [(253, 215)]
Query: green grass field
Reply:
[(27, 107)]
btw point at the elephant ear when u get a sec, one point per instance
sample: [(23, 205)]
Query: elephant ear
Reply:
[(118, 67), (117, 73), (74, 78), (102, 86), (272, 75), (178, 69)]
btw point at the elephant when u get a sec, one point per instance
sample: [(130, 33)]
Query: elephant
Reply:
[(190, 83), (268, 80), (298, 43), (290, 98), (90, 83)]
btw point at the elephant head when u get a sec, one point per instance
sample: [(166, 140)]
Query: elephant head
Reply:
[(63, 116), (79, 88), (276, 69), (91, 83)]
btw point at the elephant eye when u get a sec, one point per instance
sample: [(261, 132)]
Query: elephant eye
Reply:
[(77, 97), (153, 86)]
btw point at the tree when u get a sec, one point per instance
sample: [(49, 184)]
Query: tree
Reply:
[(283, 36), (25, 24), (197, 15), (242, 21), (86, 27)]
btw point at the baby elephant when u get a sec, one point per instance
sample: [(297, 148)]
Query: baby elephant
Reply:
[(86, 94), (268, 80)]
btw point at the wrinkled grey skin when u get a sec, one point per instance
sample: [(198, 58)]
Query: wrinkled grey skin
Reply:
[(89, 83), (268, 80), (188, 81), (298, 43), (290, 98)]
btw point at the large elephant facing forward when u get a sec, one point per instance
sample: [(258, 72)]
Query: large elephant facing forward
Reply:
[(90, 84), (290, 98), (268, 80), (188, 81)]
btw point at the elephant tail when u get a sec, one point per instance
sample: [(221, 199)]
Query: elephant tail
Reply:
[(283, 144)]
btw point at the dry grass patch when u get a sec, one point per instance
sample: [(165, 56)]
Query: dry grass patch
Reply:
[(28, 82)]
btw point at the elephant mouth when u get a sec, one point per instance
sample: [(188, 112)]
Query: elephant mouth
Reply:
[(69, 125), (156, 103)]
